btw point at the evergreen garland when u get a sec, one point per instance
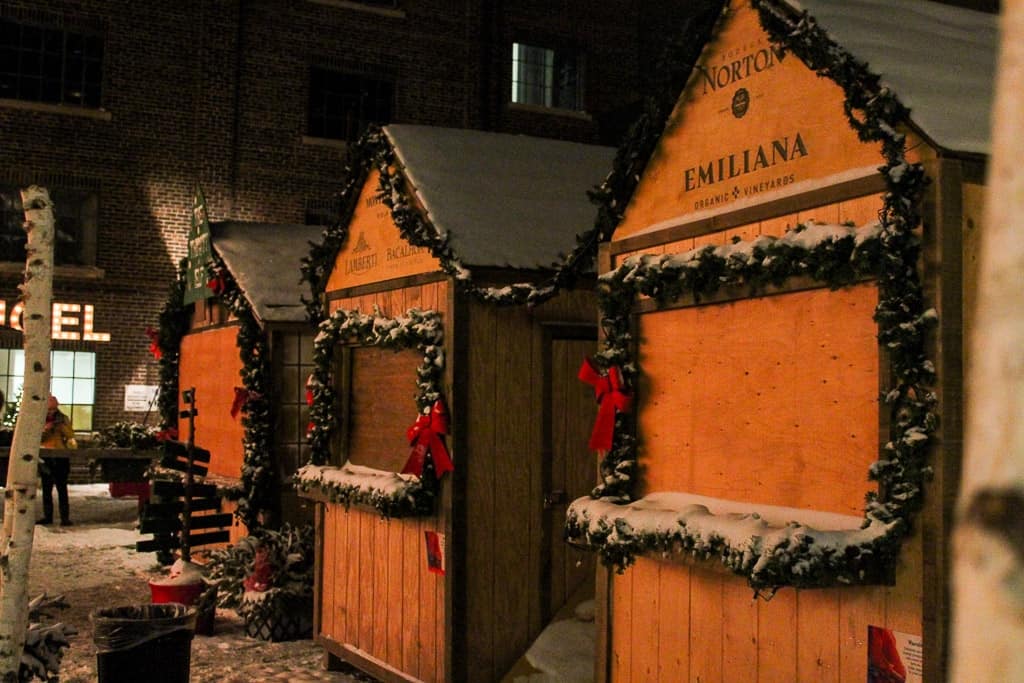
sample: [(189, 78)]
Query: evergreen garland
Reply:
[(875, 113), (258, 472), (257, 491), (416, 329), (373, 150), (173, 323)]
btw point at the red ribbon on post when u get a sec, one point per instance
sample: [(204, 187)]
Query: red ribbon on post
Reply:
[(425, 437), (610, 398), (241, 398)]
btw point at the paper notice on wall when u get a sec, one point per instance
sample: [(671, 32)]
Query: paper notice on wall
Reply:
[(139, 398), (894, 657), (435, 552)]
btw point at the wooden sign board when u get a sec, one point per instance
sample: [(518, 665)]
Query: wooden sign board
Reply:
[(752, 124), (375, 251)]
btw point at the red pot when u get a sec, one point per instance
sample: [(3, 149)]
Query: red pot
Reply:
[(185, 594)]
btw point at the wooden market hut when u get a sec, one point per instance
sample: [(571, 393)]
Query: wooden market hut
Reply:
[(449, 234), (255, 303), (787, 294)]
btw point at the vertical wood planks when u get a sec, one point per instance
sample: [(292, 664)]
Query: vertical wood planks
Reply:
[(858, 609), (674, 622), (331, 614), (411, 535), (481, 490), (777, 644), (739, 630), (395, 593), (644, 636), (512, 462), (818, 635), (706, 618), (622, 626)]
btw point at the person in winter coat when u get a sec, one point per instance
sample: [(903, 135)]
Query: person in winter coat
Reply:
[(54, 471)]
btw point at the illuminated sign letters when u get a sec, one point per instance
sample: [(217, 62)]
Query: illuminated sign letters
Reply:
[(70, 322)]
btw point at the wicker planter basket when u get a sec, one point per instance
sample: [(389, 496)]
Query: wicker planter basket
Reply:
[(279, 617)]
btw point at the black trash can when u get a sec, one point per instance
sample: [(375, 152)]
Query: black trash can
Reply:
[(144, 642)]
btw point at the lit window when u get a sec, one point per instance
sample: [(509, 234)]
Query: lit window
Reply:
[(75, 216), (546, 77), (53, 65), (342, 104), (72, 381)]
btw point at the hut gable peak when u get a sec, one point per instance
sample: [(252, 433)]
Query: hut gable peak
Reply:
[(756, 120), (490, 200)]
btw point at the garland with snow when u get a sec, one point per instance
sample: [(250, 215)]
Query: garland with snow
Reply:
[(416, 329), (173, 323), (257, 491), (889, 253), (372, 150), (258, 474), (390, 493)]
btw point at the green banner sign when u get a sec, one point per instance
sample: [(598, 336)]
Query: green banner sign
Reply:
[(199, 255)]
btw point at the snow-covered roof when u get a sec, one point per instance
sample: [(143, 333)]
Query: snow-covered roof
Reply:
[(264, 259), (503, 200), (940, 60)]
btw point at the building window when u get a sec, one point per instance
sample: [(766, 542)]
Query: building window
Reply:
[(75, 213), (322, 212), (72, 381), (342, 104), (545, 77), (51, 65)]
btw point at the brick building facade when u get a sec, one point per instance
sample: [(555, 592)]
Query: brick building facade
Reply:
[(122, 107)]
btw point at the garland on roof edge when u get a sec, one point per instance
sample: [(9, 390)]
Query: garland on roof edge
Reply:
[(258, 473), (256, 493), (373, 151), (173, 323), (418, 329), (903, 319)]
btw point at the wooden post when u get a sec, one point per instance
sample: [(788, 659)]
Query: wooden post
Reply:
[(988, 624), (22, 470), (189, 398)]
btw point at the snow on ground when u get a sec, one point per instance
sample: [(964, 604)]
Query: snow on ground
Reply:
[(94, 565)]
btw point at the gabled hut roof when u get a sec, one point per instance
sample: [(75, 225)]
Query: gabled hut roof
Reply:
[(940, 60), (265, 260), (502, 200)]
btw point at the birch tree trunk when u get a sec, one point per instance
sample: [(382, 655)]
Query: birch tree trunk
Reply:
[(22, 470), (988, 566)]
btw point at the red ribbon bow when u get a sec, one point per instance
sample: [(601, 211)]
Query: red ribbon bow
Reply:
[(218, 284), (242, 397), (610, 398), (154, 342), (169, 434), (425, 436)]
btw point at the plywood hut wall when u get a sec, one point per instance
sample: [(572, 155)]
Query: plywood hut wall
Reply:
[(519, 419), (772, 398)]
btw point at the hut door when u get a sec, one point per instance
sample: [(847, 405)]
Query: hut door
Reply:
[(569, 469)]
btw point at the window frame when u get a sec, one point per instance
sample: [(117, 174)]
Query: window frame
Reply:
[(319, 113), (91, 54), (554, 101), (87, 209)]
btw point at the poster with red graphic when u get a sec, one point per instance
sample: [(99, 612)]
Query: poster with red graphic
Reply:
[(894, 657), (435, 552)]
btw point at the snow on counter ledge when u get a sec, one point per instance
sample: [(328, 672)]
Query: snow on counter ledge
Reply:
[(391, 493), (761, 541)]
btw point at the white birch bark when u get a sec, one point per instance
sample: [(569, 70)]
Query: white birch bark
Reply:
[(988, 565), (22, 471)]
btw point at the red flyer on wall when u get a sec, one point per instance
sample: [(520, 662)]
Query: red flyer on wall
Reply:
[(894, 657), (435, 552)]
